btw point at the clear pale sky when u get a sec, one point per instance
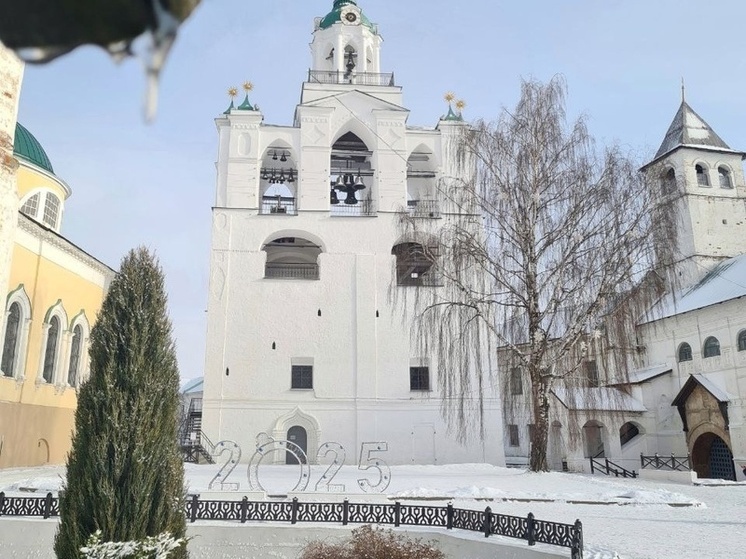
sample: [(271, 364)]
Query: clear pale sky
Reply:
[(153, 184)]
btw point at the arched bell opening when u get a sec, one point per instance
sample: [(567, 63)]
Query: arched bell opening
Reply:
[(292, 258), (416, 264), (351, 177), (278, 181), (421, 173), (593, 439)]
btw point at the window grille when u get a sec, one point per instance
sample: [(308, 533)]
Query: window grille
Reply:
[(419, 378), (10, 344), (712, 347), (685, 352), (50, 355), (301, 377)]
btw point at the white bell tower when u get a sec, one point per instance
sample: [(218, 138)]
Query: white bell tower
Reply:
[(346, 43)]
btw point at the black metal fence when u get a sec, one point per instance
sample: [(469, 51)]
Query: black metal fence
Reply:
[(674, 463), (527, 528), (610, 468), (358, 78)]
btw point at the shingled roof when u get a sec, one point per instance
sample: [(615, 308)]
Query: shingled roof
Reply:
[(689, 129)]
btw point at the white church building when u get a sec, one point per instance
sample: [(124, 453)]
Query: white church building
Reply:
[(686, 395), (307, 340)]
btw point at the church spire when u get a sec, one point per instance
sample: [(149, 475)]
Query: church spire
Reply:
[(689, 129)]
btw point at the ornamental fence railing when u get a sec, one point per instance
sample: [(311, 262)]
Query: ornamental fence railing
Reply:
[(528, 528), (674, 463), (357, 78)]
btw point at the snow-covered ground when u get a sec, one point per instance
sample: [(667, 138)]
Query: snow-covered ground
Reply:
[(624, 518)]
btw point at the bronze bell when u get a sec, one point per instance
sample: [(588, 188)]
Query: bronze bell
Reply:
[(333, 198)]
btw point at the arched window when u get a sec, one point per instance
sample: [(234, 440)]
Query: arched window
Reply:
[(724, 176), (627, 432), (31, 206), (742, 340), (51, 210), (73, 371), (415, 264), (668, 182), (702, 175), (292, 258), (685, 352), (11, 341), (50, 353), (712, 347), (351, 174)]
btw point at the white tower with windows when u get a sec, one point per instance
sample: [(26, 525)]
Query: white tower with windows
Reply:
[(305, 341), (695, 165)]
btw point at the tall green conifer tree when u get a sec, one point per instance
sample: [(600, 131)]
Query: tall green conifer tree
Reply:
[(125, 475)]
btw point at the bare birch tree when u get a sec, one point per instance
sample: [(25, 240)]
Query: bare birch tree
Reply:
[(546, 238)]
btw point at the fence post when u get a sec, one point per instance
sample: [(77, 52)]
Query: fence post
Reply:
[(592, 470), (2, 502), (397, 513), (244, 509), (195, 506), (642, 461), (345, 512), (449, 516), (657, 462), (47, 505), (487, 528), (577, 541), (294, 511), (689, 460), (530, 529)]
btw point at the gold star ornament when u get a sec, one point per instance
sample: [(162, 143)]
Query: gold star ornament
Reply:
[(460, 105), (449, 97), (232, 91), (248, 86)]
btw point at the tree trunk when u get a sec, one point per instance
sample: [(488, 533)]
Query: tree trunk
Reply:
[(540, 436)]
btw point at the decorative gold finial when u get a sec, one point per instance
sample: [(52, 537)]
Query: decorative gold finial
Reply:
[(232, 92), (449, 97), (460, 104), (248, 86)]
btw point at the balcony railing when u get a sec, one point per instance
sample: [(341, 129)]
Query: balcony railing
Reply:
[(356, 78), (423, 208), (292, 271), (278, 205), (364, 208)]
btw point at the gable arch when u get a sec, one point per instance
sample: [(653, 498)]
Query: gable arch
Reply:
[(298, 417), (54, 334), (352, 124), (298, 233), (76, 368), (15, 323)]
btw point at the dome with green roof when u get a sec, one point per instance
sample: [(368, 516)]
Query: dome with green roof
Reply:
[(335, 16), (27, 147)]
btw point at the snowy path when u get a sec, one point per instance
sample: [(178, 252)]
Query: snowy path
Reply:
[(707, 522)]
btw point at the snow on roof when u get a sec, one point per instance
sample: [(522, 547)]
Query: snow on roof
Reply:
[(648, 373), (688, 128), (194, 385), (597, 399), (725, 282), (712, 388)]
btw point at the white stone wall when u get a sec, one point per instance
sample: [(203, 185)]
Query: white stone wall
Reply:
[(11, 72), (727, 371), (350, 323)]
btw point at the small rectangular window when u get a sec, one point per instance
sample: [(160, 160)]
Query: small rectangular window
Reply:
[(302, 377), (513, 435), (516, 381), (591, 373), (419, 378)]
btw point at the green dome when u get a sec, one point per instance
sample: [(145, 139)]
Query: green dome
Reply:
[(335, 16), (27, 147)]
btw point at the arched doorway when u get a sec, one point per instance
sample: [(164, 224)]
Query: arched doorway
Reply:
[(299, 436), (593, 439), (711, 458)]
